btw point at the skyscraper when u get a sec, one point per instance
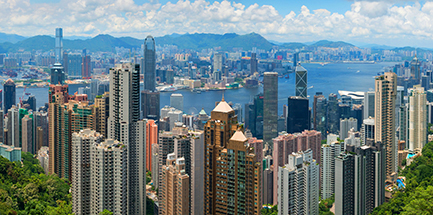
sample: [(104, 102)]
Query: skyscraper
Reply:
[(298, 118), (217, 62), (176, 101), (301, 81), (415, 71), (81, 189), (75, 62), (100, 111), (86, 67), (298, 185), (57, 74), (151, 139), (12, 127), (149, 96), (125, 126), (9, 95), (344, 184), (253, 63), (346, 125), (230, 167), (320, 118), (59, 45), (270, 106), (27, 135), (175, 187), (149, 68), (385, 97), (329, 152), (368, 104), (417, 119)]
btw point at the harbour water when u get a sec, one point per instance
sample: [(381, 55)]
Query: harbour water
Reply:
[(326, 79)]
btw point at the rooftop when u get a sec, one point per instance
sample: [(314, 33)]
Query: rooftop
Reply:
[(239, 136), (223, 107)]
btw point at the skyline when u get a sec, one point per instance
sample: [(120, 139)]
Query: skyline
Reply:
[(393, 23)]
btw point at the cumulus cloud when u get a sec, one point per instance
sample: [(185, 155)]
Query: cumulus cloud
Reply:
[(363, 20)]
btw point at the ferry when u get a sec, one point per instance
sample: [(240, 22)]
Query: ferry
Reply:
[(168, 89)]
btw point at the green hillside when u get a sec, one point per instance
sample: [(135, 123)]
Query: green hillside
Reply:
[(25, 189), (417, 197), (331, 44)]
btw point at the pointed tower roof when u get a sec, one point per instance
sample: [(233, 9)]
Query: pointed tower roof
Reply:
[(239, 136), (223, 107), (202, 112)]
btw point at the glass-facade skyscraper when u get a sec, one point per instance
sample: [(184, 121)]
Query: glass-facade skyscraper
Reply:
[(301, 81), (9, 94), (59, 45), (149, 67), (270, 106), (298, 118)]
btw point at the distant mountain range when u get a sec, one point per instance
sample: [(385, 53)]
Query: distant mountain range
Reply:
[(107, 43)]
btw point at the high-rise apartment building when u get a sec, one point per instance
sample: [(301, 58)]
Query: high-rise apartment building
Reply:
[(301, 81), (270, 106), (100, 111), (329, 152), (124, 126), (230, 167), (346, 125), (9, 94), (81, 189), (368, 104), (176, 101), (417, 119), (298, 118), (344, 184), (385, 97), (151, 139), (298, 185), (27, 135), (108, 177), (12, 127), (59, 46), (175, 187)]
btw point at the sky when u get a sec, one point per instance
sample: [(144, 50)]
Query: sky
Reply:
[(386, 22)]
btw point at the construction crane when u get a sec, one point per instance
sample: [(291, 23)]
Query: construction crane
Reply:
[(22, 97)]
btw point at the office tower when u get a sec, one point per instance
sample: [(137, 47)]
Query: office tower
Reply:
[(385, 97), (149, 68), (254, 63), (81, 189), (254, 116), (217, 62), (329, 152), (297, 114), (344, 184), (176, 101), (150, 104), (295, 59), (425, 82), (86, 67), (103, 87), (75, 62), (59, 45), (27, 135), (108, 173), (9, 94), (333, 114), (151, 139), (346, 125), (298, 185), (238, 111), (415, 71), (125, 126), (301, 81), (13, 134), (40, 120), (320, 113), (417, 119), (100, 112), (226, 146), (30, 103), (367, 132), (403, 118), (174, 187), (93, 89), (270, 106), (57, 74), (368, 104), (175, 116)]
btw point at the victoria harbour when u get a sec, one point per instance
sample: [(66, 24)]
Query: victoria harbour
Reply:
[(326, 79)]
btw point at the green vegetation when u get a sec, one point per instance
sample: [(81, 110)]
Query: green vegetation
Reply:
[(417, 197), (323, 142), (25, 189), (106, 212), (271, 211), (430, 128), (325, 205), (148, 177), (149, 206)]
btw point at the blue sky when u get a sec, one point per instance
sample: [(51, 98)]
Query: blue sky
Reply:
[(387, 22)]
